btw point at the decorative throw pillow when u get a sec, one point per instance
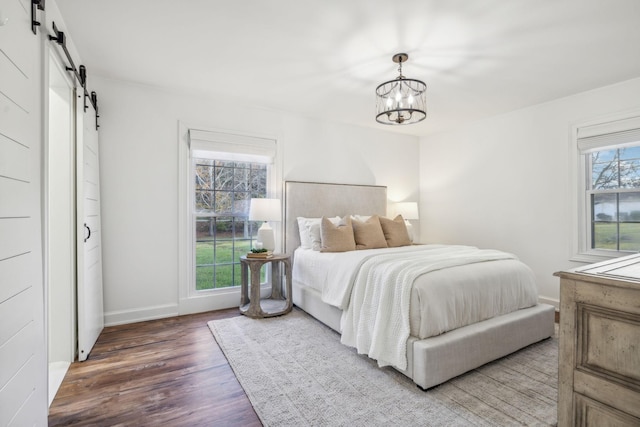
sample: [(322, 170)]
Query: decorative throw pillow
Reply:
[(368, 234), (337, 237), (313, 228), (395, 231)]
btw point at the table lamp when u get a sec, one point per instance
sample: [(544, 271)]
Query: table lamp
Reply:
[(408, 210), (265, 210)]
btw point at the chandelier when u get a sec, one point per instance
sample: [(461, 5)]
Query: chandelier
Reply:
[(401, 101)]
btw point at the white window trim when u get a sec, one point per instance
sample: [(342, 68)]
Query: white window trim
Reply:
[(190, 301), (578, 181)]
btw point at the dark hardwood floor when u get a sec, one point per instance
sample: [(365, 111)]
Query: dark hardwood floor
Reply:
[(167, 372)]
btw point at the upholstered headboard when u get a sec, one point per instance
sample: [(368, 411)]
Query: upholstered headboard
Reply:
[(315, 199)]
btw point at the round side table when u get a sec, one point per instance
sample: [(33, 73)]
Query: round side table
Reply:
[(277, 303)]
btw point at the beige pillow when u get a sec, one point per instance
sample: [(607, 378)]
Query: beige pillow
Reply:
[(310, 232), (368, 234), (395, 231), (337, 237)]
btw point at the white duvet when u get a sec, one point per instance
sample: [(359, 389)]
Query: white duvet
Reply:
[(424, 290)]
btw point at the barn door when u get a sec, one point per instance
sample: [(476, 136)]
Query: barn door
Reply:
[(23, 382), (90, 300)]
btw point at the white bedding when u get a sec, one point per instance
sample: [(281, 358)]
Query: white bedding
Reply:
[(452, 295)]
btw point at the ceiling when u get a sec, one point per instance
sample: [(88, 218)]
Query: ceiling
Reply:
[(325, 58)]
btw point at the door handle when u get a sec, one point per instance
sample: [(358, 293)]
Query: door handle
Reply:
[(89, 230)]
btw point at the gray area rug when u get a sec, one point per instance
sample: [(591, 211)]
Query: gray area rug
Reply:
[(296, 373)]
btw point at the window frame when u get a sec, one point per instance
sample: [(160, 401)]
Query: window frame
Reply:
[(189, 299), (581, 180)]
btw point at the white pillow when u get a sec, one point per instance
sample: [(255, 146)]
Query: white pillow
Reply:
[(309, 229), (305, 238), (315, 236), (409, 230)]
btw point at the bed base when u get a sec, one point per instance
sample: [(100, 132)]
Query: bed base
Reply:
[(434, 360)]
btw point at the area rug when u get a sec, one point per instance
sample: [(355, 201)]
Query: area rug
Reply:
[(296, 372)]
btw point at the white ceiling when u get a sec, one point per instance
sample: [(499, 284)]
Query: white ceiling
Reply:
[(324, 58)]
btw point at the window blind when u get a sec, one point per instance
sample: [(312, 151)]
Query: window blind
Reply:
[(226, 146), (610, 135)]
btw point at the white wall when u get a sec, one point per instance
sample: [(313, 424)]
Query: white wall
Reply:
[(139, 177), (507, 182), (329, 152)]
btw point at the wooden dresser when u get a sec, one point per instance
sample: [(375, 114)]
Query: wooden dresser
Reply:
[(599, 355)]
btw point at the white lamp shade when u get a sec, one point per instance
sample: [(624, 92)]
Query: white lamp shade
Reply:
[(408, 210), (265, 210)]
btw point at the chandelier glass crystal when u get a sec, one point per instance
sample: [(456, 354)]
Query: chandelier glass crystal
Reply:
[(401, 101)]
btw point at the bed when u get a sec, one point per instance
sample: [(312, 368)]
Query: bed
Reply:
[(443, 340)]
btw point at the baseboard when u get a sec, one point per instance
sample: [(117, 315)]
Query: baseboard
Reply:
[(209, 303), (550, 301), (122, 317), (553, 302), (228, 298), (199, 304)]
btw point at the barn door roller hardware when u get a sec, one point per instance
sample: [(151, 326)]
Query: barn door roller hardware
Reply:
[(94, 101), (35, 6), (80, 72)]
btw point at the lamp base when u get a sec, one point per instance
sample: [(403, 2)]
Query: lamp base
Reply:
[(267, 237)]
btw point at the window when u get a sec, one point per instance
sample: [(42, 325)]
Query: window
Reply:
[(223, 190), (614, 199), (610, 155), (226, 172)]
